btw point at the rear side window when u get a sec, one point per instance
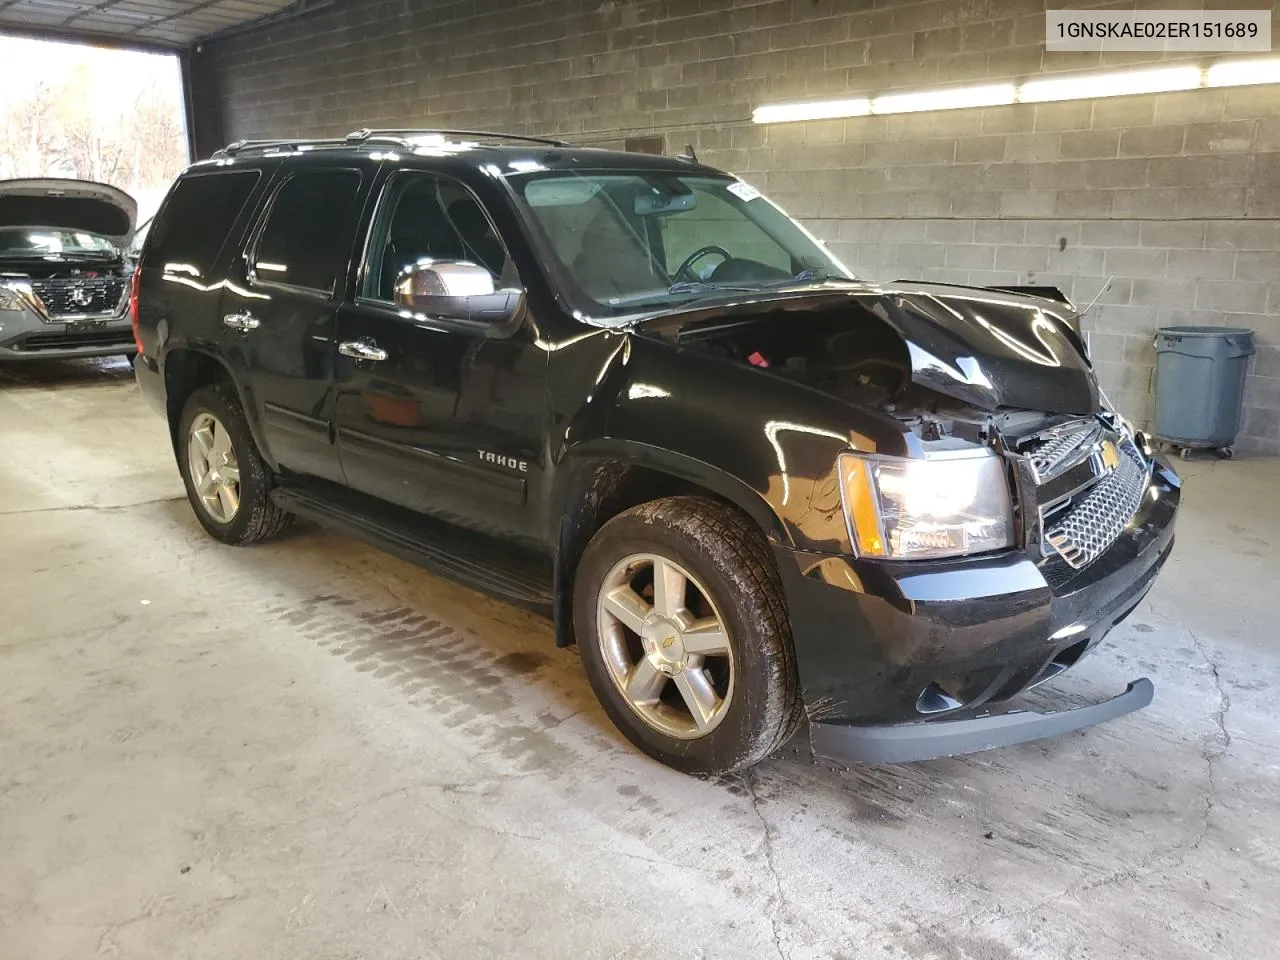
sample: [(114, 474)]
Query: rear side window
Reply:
[(307, 239), (199, 213)]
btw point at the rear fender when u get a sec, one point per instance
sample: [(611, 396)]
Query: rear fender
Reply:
[(187, 368)]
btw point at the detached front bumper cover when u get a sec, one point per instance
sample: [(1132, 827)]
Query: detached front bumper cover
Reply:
[(930, 740)]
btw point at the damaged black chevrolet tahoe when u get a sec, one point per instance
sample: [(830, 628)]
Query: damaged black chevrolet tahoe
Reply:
[(629, 392)]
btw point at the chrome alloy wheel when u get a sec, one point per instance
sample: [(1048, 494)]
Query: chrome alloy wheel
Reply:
[(214, 469), (665, 645)]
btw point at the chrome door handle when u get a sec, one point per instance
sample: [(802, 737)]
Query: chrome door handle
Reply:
[(244, 322), (362, 350)]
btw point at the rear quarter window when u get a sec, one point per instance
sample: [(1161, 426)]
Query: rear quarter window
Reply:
[(193, 226), (306, 240)]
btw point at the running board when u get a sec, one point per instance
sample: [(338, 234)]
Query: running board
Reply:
[(473, 559)]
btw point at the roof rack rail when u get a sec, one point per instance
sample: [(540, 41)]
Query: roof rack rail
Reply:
[(360, 136), (244, 146), (401, 138)]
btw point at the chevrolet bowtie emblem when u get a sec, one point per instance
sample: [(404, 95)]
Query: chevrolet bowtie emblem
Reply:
[(667, 642), (1110, 455)]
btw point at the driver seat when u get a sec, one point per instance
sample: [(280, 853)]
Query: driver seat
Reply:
[(613, 261)]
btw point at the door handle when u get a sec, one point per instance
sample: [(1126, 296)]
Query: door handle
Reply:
[(362, 350), (244, 322)]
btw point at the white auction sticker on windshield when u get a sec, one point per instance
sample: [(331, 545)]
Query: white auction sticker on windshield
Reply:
[(743, 191)]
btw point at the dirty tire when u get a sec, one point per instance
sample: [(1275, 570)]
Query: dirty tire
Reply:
[(727, 552), (258, 517)]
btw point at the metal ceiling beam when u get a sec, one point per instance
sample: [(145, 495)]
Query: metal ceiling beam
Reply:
[(107, 5), (67, 30), (118, 41), (290, 11), (169, 18)]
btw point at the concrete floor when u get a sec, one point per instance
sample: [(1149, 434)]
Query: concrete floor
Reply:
[(312, 750)]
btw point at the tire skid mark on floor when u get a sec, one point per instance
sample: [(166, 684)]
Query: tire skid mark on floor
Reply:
[(445, 667)]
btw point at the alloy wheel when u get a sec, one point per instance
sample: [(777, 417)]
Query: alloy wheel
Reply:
[(665, 645), (215, 472)]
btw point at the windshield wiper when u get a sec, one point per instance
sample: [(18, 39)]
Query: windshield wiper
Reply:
[(706, 286), (804, 276)]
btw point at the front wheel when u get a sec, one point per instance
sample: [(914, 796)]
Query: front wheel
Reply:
[(227, 482), (683, 629)]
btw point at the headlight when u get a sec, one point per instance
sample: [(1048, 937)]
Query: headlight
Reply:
[(10, 299), (904, 509)]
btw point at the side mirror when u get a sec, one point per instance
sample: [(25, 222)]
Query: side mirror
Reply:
[(456, 290)]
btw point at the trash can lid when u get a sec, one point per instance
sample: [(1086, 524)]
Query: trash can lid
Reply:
[(1206, 331)]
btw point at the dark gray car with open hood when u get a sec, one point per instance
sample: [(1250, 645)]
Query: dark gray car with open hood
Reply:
[(64, 280)]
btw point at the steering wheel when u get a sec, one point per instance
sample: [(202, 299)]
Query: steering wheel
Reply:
[(683, 272)]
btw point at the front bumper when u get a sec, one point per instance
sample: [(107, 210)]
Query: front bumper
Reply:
[(901, 661), (25, 336), (907, 742)]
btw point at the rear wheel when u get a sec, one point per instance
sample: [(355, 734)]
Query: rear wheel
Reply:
[(684, 634), (227, 482)]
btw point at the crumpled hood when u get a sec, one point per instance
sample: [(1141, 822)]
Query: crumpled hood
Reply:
[(56, 203), (984, 347)]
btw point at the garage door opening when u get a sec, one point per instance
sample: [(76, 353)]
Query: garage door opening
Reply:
[(91, 113)]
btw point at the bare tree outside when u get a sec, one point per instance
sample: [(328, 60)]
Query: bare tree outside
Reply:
[(71, 110)]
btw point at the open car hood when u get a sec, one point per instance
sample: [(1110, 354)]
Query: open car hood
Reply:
[(55, 203), (988, 348)]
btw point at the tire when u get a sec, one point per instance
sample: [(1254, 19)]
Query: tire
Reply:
[(726, 558), (255, 518)]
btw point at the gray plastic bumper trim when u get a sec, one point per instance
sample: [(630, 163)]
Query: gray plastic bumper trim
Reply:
[(908, 742)]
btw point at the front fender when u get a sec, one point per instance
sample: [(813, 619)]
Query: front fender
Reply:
[(584, 459), (764, 442)]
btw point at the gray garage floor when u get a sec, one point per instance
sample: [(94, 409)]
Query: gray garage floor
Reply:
[(313, 750)]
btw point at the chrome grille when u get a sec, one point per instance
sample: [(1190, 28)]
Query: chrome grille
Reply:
[(92, 296), (1053, 452), (1091, 524)]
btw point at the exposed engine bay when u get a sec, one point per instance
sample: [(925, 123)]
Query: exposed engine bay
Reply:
[(875, 346), (856, 358)]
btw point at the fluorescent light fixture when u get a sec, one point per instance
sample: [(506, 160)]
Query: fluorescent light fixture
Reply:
[(1243, 73), (947, 98), (1075, 86), (816, 110), (1086, 86)]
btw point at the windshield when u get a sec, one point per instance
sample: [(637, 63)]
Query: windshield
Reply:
[(26, 242), (628, 242)]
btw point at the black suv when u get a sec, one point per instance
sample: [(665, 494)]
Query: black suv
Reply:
[(630, 392)]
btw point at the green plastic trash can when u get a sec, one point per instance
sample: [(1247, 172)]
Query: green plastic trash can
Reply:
[(1200, 386)]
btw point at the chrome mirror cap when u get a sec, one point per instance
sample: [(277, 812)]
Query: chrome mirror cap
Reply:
[(442, 278), (456, 290)]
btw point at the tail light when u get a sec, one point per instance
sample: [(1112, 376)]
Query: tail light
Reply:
[(134, 284)]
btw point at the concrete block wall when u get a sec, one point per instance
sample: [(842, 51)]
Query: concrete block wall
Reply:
[(1174, 196)]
